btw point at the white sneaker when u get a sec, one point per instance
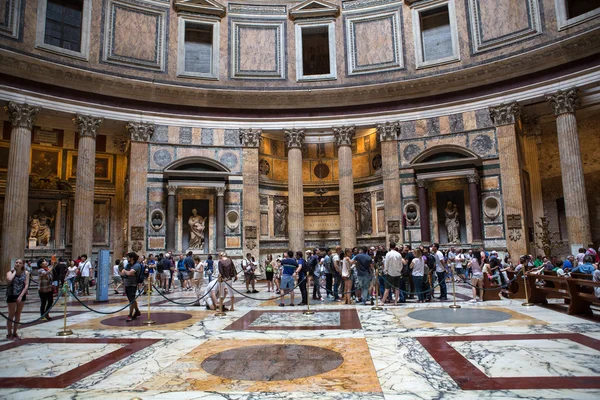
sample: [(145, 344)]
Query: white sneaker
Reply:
[(472, 301), (480, 300)]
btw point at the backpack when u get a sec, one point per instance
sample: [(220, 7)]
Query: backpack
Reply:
[(140, 276), (405, 270), (310, 265)]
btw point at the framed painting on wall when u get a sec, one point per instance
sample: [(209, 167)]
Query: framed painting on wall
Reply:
[(103, 169), (101, 225), (45, 162)]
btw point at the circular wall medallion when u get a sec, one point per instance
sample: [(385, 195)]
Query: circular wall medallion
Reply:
[(229, 159), (263, 167), (232, 220), (377, 162), (460, 316), (491, 208), (412, 213), (162, 157), (482, 144), (277, 362), (157, 220), (321, 171), (411, 152)]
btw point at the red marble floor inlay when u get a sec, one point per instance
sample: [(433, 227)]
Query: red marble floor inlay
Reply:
[(25, 317), (77, 373), (160, 318), (468, 377), (348, 320)]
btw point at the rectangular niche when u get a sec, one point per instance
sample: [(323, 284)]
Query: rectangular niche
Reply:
[(521, 20), (374, 43), (315, 51), (135, 36), (198, 47), (202, 210), (10, 18), (457, 198), (258, 49), (435, 33)]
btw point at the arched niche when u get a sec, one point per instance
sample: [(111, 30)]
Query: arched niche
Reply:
[(446, 156)]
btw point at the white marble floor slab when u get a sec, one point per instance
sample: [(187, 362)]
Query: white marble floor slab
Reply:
[(531, 358), (50, 359), (297, 319)]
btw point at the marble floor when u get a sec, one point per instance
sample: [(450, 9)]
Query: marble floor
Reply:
[(492, 350)]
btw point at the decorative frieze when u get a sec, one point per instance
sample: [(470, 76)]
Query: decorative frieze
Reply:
[(356, 4), (250, 137), (388, 131), (505, 114), (256, 9), (344, 135), (140, 131), (294, 138), (87, 125), (564, 101), (21, 115)]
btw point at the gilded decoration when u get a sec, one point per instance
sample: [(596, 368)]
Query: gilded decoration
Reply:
[(564, 101), (505, 114), (87, 125), (21, 115)]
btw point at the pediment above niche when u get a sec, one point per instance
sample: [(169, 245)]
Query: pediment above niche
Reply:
[(200, 6), (314, 9)]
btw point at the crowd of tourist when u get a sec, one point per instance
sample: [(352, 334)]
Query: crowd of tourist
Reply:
[(350, 276)]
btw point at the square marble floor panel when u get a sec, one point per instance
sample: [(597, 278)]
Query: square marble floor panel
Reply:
[(296, 320)]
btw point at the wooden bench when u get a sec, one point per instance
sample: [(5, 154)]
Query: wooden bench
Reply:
[(578, 293), (489, 294), (516, 289), (540, 294)]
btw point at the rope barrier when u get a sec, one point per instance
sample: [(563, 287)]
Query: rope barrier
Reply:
[(394, 287), (177, 302), (102, 312), (35, 320), (504, 286), (269, 299)]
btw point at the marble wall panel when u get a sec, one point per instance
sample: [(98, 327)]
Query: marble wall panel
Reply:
[(280, 169), (135, 35), (160, 157), (173, 134), (258, 49), (409, 191), (232, 197), (469, 120), (409, 150), (459, 140), (493, 231), (206, 136), (218, 137), (231, 159), (490, 183), (156, 243), (360, 166), (233, 242), (484, 143)]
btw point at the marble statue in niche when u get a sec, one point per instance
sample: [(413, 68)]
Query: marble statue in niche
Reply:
[(281, 217), (197, 225), (366, 214), (452, 223), (39, 223)]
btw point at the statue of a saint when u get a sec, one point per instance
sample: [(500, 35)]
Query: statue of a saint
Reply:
[(452, 223), (281, 211), (196, 224), (366, 216), (40, 223)]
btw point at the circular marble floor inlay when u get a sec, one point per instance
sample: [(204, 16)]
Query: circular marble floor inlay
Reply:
[(158, 318), (272, 362), (460, 316)]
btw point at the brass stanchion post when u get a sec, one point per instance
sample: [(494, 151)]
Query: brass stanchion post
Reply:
[(220, 312), (525, 282), (65, 331), (454, 306), (376, 307), (308, 312), (149, 290)]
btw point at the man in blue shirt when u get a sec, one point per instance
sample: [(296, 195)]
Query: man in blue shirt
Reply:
[(587, 267), (289, 265), (364, 274), (568, 264)]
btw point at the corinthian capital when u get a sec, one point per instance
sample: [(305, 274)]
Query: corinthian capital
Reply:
[(140, 131), (505, 114), (87, 125), (294, 138), (473, 178), (388, 131), (250, 137), (21, 115), (344, 135), (564, 101)]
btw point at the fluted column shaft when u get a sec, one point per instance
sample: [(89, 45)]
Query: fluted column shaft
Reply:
[(14, 223), (171, 217), (220, 219), (388, 135), (535, 182), (346, 182), (119, 208), (250, 140), (87, 127), (475, 208), (295, 142), (575, 195), (505, 117), (424, 213)]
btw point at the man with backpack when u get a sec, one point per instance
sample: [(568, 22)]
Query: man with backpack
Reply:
[(394, 270), (312, 261), (132, 274)]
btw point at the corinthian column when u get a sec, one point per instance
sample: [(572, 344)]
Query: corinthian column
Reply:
[(388, 134), (504, 117), (343, 139), (220, 218), (475, 208), (295, 141), (250, 139), (140, 133), (576, 206), (171, 217), (87, 127), (14, 223)]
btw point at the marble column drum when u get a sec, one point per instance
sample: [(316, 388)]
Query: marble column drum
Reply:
[(140, 134), (295, 142), (505, 117), (171, 217), (343, 138), (250, 139), (119, 207), (532, 136), (220, 219), (475, 208), (576, 205), (14, 223), (424, 212), (388, 134), (87, 127)]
